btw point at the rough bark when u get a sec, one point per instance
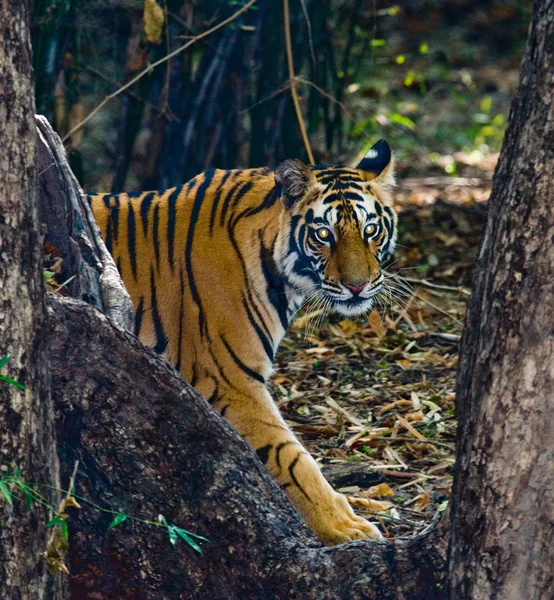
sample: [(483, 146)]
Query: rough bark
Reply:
[(72, 234), (26, 416), (502, 536), (148, 444)]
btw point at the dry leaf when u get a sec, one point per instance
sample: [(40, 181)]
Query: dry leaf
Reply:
[(423, 501), (382, 490), (369, 504), (414, 416), (376, 324), (153, 21)]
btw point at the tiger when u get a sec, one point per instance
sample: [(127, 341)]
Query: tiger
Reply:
[(217, 268)]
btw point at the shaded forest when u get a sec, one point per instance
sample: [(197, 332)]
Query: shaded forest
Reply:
[(434, 78)]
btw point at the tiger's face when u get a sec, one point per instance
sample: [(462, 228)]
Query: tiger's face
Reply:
[(340, 229)]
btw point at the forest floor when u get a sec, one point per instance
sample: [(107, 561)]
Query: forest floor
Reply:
[(373, 398)]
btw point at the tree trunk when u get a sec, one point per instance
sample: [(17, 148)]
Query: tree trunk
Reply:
[(26, 418), (148, 444), (502, 536)]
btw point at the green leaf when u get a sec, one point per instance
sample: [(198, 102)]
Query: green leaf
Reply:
[(188, 539), (4, 360), (48, 276), (118, 519), (65, 530), (28, 497), (54, 521), (172, 534), (194, 535), (442, 506), (377, 43), (402, 120), (4, 489), (12, 382)]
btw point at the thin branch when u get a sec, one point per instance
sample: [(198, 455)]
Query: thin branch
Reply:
[(332, 99), (151, 67), (436, 286), (293, 83)]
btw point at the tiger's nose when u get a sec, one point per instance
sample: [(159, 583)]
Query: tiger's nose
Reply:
[(355, 289)]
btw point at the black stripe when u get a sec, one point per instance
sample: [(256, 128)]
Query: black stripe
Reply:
[(292, 476), (171, 217), (224, 410), (108, 240), (131, 241), (216, 200), (278, 451), (118, 264), (266, 343), (156, 234), (340, 196), (242, 192), (144, 208), (220, 370), (231, 230), (246, 369), (114, 213), (275, 288), (181, 318), (213, 397), (227, 201), (161, 339), (138, 317), (263, 453), (208, 176)]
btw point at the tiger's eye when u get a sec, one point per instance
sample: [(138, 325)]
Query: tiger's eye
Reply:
[(323, 234), (370, 229)]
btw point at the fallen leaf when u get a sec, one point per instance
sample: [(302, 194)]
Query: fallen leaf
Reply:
[(378, 491), (369, 504)]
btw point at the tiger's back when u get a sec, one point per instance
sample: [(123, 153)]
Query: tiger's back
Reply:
[(176, 252)]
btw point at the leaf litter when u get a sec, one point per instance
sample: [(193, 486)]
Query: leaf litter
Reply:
[(373, 398)]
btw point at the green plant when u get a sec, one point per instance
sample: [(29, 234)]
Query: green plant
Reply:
[(3, 362), (13, 485)]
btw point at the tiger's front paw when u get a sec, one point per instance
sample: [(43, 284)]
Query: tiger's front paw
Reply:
[(337, 523)]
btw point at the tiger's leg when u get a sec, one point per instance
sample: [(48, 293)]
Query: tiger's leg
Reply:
[(253, 414)]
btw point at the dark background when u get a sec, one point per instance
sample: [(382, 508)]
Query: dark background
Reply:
[(434, 78)]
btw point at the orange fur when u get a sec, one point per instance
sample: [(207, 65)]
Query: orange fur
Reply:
[(202, 263)]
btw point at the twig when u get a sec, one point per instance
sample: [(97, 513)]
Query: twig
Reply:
[(341, 411), (439, 309), (294, 81), (151, 67), (436, 286), (69, 487)]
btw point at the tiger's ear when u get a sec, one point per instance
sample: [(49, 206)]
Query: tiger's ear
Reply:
[(293, 179), (378, 164)]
